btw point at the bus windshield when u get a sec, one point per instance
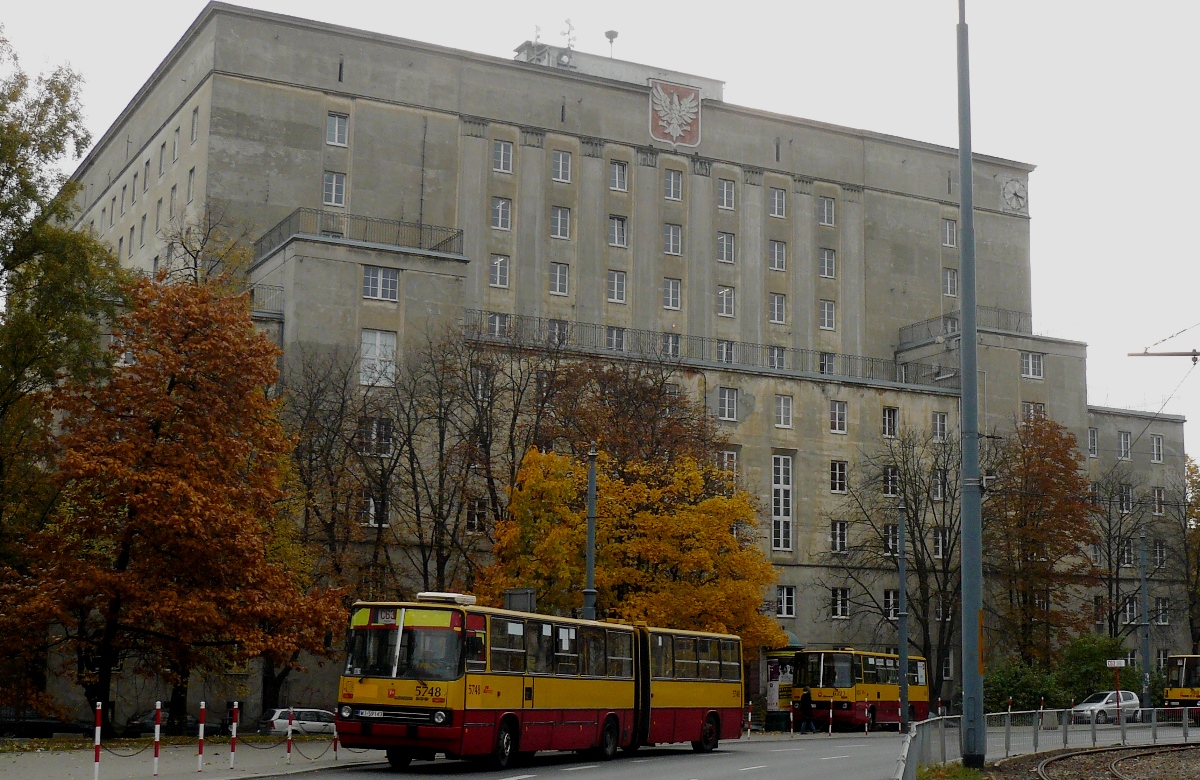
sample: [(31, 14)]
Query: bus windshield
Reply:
[(430, 648), (1184, 672)]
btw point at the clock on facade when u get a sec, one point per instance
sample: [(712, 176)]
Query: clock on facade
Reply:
[(1015, 194)]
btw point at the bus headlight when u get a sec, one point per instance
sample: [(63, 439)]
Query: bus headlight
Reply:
[(346, 711), (440, 717)]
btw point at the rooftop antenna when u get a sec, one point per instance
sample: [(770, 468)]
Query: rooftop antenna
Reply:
[(612, 36), (569, 35), (537, 34)]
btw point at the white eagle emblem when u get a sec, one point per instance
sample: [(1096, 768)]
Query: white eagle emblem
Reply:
[(675, 111)]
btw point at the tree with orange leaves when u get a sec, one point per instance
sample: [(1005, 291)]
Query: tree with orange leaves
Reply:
[(1036, 525), (167, 549), (676, 546)]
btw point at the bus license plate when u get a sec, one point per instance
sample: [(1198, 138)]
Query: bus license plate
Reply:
[(370, 713)]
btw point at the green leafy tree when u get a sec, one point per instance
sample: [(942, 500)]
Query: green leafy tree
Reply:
[(1084, 670)]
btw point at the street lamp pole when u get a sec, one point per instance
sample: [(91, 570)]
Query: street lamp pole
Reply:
[(903, 621), (1145, 629), (589, 592)]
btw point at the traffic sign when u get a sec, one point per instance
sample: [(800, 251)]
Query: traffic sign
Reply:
[(1116, 663)]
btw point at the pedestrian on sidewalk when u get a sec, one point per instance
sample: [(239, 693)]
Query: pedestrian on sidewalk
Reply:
[(806, 712)]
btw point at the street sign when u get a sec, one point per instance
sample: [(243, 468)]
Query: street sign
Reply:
[(1116, 663)]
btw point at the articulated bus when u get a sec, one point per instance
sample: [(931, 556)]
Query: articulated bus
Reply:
[(1183, 682), (441, 675), (859, 688)]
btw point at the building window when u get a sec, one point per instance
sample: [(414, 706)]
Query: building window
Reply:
[(725, 247), (673, 184), (827, 315), (497, 324), (162, 159), (1098, 609), (337, 129), (838, 531), (781, 502), (158, 215), (558, 332), (618, 176), (940, 478), (560, 275), (783, 411), (191, 185), (725, 301), (146, 176), (335, 189), (1093, 442), (1156, 448), (947, 665), (1163, 655), (828, 264), (670, 345), (725, 351), (560, 166), (837, 416), (502, 213), (891, 421), (124, 190), (120, 247), (724, 193), (498, 272), (827, 363), (616, 232), (778, 308), (891, 539), (1162, 611), (727, 401), (891, 481), (614, 338), (142, 232), (777, 255), (377, 358), (838, 476), (1160, 553), (777, 358), (839, 608), (1031, 365), (949, 232), (372, 509), (477, 512), (560, 222), (380, 283), (1129, 610), (1126, 552), (942, 608), (374, 436), (941, 542), (502, 156), (112, 212), (825, 212), (939, 426), (785, 601), (175, 145), (171, 201), (778, 202), (616, 286), (1158, 499), (727, 460), (950, 282), (672, 239), (1124, 446), (1031, 410), (671, 289), (891, 604)]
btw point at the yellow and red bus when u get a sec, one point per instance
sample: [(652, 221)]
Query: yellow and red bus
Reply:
[(859, 688), (1183, 683), (441, 675)]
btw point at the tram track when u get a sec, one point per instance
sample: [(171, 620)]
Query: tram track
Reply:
[(1095, 762)]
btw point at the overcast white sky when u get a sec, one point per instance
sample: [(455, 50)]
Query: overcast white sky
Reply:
[(1097, 94)]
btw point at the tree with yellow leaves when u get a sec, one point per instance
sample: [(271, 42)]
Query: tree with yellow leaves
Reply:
[(676, 546)]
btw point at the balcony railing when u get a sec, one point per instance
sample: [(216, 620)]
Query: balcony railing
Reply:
[(333, 224), (266, 298), (593, 338), (951, 324)]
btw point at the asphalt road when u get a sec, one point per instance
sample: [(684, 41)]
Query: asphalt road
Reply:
[(842, 756)]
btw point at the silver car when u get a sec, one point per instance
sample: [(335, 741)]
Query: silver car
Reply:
[(304, 721), (1102, 708)]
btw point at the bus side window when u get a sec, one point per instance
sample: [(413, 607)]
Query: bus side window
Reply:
[(620, 654), (661, 656), (591, 651), (508, 645), (870, 674), (916, 672), (476, 643), (731, 660), (539, 646), (566, 652), (686, 666), (709, 653)]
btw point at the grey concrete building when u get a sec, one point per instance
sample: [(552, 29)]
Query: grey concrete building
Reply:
[(805, 274)]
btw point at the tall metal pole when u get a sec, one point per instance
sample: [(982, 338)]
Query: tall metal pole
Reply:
[(903, 622), (589, 593), (974, 730), (1145, 629)]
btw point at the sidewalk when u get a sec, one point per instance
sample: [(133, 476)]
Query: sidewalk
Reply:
[(179, 762)]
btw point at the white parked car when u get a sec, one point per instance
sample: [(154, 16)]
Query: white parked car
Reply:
[(1102, 708), (304, 721)]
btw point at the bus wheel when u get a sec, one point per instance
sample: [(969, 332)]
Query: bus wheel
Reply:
[(608, 740), (708, 736), (398, 759), (506, 745)]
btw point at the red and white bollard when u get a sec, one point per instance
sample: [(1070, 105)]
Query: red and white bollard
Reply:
[(200, 744), (233, 724), (749, 720), (157, 732), (335, 742), (831, 717), (939, 709), (866, 714), (289, 735), (99, 718)]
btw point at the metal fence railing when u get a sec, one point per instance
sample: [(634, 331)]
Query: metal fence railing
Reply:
[(266, 298), (335, 224), (950, 323), (938, 740)]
